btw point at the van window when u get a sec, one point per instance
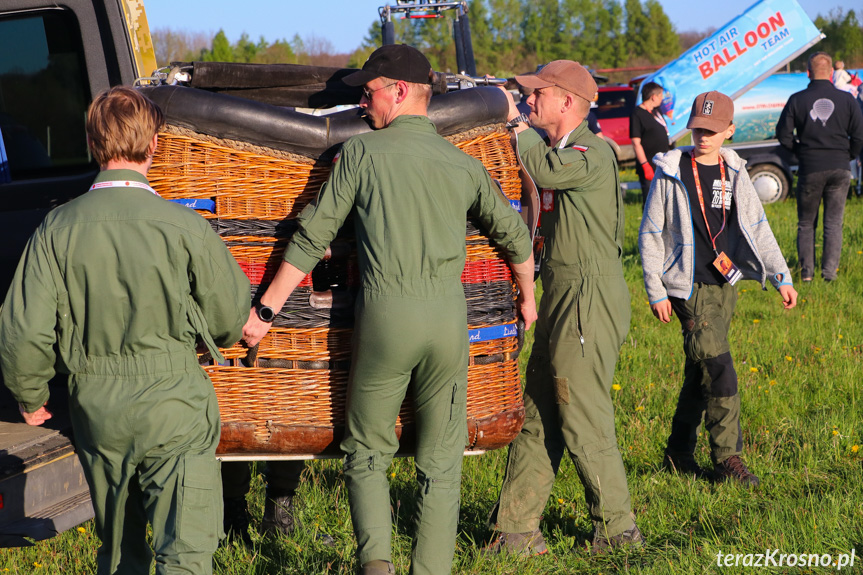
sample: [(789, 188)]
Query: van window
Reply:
[(615, 104), (43, 94)]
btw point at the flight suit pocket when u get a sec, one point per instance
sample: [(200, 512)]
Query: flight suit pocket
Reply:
[(200, 502), (561, 390), (69, 346), (455, 432)]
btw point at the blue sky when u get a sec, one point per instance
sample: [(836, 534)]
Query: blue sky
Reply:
[(345, 22)]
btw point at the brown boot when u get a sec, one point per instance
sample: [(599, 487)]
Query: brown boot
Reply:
[(527, 544), (379, 567), (631, 539), (734, 468)]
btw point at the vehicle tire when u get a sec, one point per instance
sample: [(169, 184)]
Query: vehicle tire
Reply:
[(770, 182)]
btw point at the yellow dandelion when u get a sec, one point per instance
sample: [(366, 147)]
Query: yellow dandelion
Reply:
[(616, 387), (855, 448), (639, 408), (802, 316), (859, 253), (803, 300), (753, 369), (789, 358), (651, 385), (744, 291), (755, 320), (835, 432), (81, 530), (772, 382), (817, 349), (393, 474), (559, 500), (840, 336), (36, 564)]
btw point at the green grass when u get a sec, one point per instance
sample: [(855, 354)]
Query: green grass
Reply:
[(799, 374)]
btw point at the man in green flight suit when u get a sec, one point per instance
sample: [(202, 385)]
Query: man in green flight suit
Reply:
[(583, 320), (120, 283), (411, 191)]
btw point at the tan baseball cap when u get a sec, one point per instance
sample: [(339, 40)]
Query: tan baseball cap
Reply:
[(566, 74), (712, 111)]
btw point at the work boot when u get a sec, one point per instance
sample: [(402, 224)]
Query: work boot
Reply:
[(528, 544), (734, 468), (631, 539), (684, 464), (379, 567), (236, 519), (278, 514)]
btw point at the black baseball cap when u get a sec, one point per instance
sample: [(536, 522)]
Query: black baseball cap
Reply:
[(396, 61)]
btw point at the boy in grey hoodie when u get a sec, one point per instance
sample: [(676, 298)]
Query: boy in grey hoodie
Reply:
[(703, 229)]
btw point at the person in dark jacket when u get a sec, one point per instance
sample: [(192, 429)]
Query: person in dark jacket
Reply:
[(828, 127)]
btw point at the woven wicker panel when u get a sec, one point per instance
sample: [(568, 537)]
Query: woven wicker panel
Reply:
[(496, 154), (334, 344), (251, 185), (316, 397), (243, 184)]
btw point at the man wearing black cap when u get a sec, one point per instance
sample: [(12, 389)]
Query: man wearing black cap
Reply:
[(411, 191), (583, 321)]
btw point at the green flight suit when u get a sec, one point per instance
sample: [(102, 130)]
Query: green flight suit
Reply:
[(411, 191), (583, 320), (113, 289)]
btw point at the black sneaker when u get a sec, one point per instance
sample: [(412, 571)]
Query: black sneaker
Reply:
[(236, 519), (278, 515), (529, 544), (630, 540), (684, 464), (734, 468)]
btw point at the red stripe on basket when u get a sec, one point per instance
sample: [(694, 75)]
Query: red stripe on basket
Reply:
[(485, 271)]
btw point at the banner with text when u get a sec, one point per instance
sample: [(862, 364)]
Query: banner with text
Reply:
[(735, 58)]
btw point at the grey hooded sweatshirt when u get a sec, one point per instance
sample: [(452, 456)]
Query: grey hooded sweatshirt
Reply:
[(665, 238)]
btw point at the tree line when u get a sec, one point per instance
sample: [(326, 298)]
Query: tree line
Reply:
[(511, 37)]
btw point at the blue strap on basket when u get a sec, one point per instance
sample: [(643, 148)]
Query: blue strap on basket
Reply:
[(493, 332), (197, 204)]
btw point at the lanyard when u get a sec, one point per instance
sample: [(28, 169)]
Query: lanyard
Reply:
[(701, 199), (123, 184)]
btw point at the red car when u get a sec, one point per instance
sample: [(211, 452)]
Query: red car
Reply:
[(613, 108)]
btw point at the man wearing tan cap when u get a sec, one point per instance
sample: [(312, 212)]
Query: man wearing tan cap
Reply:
[(583, 320)]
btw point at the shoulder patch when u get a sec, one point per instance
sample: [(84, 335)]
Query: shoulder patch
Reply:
[(579, 148)]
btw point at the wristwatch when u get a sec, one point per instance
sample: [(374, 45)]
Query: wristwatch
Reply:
[(522, 118), (265, 313)]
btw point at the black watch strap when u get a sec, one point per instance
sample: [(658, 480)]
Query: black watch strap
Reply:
[(522, 118), (265, 313)]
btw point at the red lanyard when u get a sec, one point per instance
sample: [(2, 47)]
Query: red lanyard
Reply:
[(701, 199)]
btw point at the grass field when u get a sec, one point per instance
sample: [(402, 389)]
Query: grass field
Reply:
[(799, 378)]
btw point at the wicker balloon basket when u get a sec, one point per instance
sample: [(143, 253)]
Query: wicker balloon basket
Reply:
[(288, 397)]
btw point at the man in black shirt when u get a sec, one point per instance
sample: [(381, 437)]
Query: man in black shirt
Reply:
[(829, 129), (648, 133)]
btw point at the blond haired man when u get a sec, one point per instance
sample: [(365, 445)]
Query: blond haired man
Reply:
[(113, 289)]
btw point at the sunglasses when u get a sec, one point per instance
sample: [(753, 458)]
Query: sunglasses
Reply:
[(368, 93)]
